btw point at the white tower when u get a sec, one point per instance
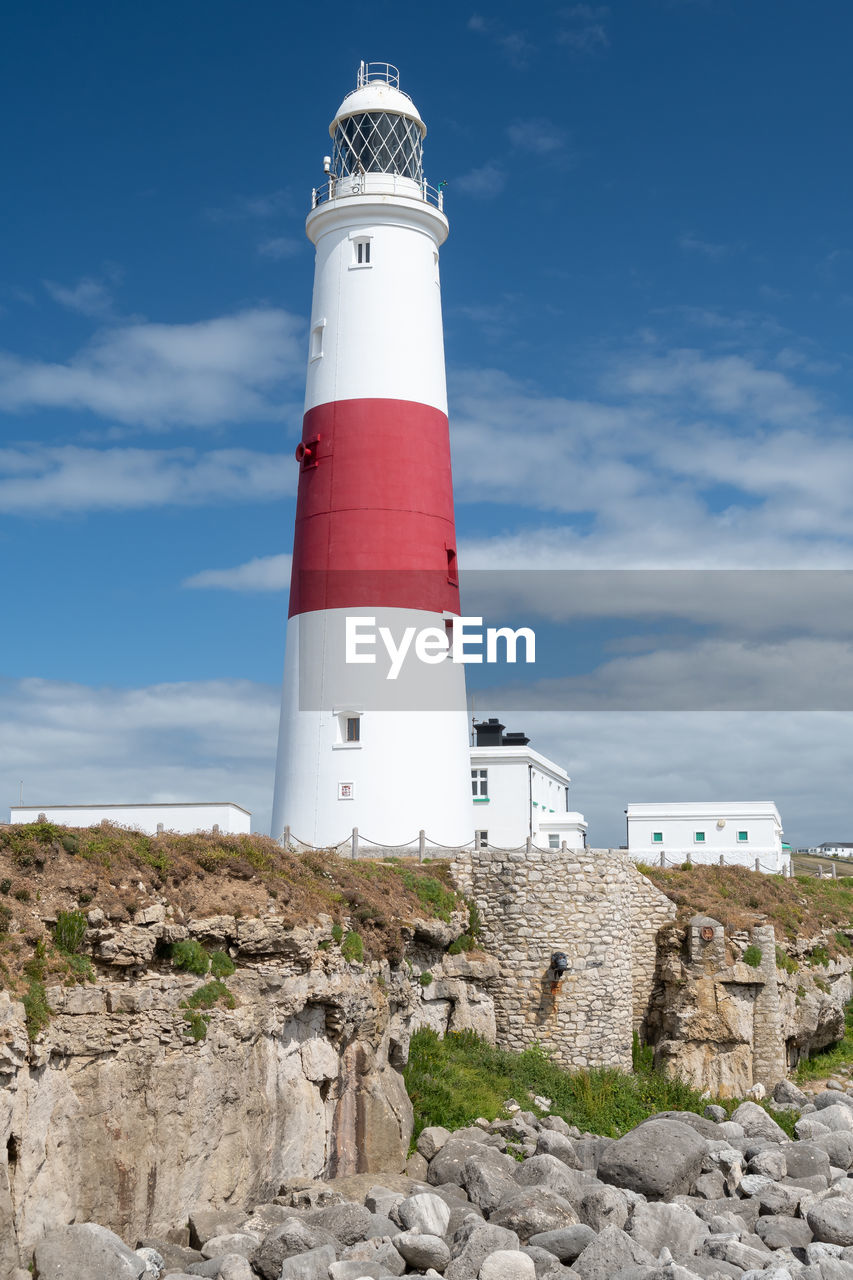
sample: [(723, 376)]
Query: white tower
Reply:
[(375, 535)]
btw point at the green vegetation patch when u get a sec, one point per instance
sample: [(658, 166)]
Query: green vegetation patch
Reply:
[(221, 964), (752, 956), (436, 897), (70, 931), (209, 995), (453, 1081), (352, 947), (191, 956), (785, 962)]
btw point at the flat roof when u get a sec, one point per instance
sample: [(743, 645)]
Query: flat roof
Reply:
[(143, 804)]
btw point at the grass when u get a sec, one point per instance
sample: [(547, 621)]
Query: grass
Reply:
[(436, 897), (70, 931), (352, 947), (221, 964), (800, 907), (827, 1061), (453, 1081), (752, 956), (209, 995)]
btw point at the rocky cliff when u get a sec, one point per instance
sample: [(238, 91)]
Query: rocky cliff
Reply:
[(132, 1105)]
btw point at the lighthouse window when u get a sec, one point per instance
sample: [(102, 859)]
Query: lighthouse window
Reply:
[(316, 350), (361, 252), (377, 142), (353, 729), (451, 567)]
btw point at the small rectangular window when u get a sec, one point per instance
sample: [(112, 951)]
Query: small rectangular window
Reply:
[(699, 837), (452, 576), (481, 839), (657, 837), (553, 841), (742, 836), (361, 252), (480, 784), (353, 729), (316, 350)]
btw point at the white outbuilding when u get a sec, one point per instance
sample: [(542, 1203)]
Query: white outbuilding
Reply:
[(518, 794), (186, 818), (746, 833)]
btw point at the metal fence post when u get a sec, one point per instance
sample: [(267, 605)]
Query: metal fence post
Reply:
[(355, 842), (421, 844)]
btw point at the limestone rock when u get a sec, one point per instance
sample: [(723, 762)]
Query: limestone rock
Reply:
[(505, 1264), (757, 1123), (832, 1221), (660, 1159), (86, 1250), (422, 1250), (566, 1243), (533, 1210), (426, 1213), (609, 1253)]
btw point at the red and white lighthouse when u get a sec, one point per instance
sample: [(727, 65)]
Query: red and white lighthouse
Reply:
[(375, 538)]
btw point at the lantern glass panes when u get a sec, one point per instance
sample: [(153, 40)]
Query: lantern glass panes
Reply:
[(378, 142)]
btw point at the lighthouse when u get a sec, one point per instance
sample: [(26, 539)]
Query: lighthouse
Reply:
[(365, 741)]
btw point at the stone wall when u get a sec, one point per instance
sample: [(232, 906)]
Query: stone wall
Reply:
[(593, 905)]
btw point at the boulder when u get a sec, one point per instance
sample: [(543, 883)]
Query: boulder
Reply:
[(476, 1247), (313, 1265), (566, 1243), (292, 1238), (426, 1212), (805, 1160), (85, 1249), (832, 1220), (534, 1209), (421, 1250), (505, 1264), (551, 1143), (660, 1159), (672, 1226), (431, 1140), (756, 1123), (611, 1252), (603, 1206), (778, 1231), (448, 1164)]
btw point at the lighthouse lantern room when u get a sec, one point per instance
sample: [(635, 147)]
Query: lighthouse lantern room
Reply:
[(374, 544)]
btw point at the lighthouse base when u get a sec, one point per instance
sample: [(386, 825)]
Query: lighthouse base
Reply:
[(360, 749)]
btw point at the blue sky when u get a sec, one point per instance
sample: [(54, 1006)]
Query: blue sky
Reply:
[(648, 295)]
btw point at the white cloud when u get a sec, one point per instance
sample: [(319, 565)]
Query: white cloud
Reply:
[(52, 481), (281, 247), (484, 183), (585, 27), (215, 740), (70, 744), (513, 44), (88, 297), (542, 137), (268, 204), (695, 244), (200, 374), (264, 573)]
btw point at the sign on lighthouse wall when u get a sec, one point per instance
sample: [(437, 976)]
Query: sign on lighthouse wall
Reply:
[(374, 535)]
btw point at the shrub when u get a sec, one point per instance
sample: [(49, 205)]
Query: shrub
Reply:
[(752, 956), (191, 956), (475, 922), (5, 919), (430, 892), (221, 964), (36, 1009), (70, 843), (209, 995), (5, 885), (337, 932), (23, 895), (463, 943), (70, 931), (352, 947), (426, 979), (785, 962), (819, 955), (196, 1024)]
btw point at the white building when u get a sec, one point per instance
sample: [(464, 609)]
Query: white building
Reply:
[(745, 833), (835, 850), (519, 794), (185, 818)]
